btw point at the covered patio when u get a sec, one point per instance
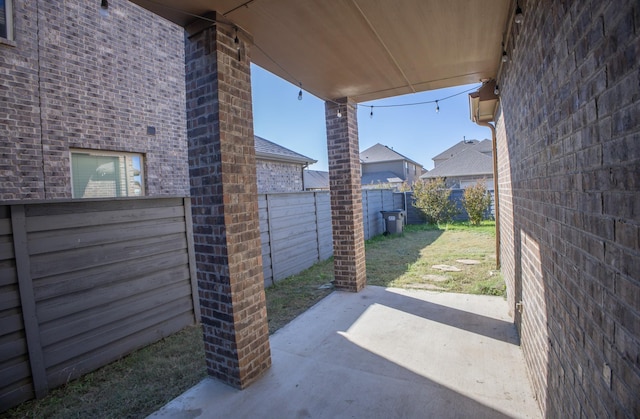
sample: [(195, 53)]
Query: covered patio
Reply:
[(342, 52), (382, 353)]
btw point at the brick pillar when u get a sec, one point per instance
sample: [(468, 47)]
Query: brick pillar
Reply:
[(222, 171), (346, 196)]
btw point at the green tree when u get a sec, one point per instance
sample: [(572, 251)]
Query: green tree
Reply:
[(477, 202), (431, 197)]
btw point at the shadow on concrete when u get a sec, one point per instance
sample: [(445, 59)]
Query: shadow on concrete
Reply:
[(378, 354), (471, 322)]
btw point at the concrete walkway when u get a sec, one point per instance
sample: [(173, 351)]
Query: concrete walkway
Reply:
[(382, 353)]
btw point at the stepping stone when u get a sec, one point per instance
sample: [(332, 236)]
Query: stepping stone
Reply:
[(434, 278), (468, 261), (446, 268)]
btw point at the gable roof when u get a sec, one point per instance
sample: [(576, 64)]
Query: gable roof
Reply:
[(316, 179), (455, 149), (381, 153), (469, 162), (269, 150)]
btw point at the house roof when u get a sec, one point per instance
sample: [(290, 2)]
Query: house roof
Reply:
[(381, 153), (485, 146), (316, 179), (376, 178), (469, 162), (455, 149), (269, 150)]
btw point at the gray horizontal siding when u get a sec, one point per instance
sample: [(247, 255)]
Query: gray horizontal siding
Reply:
[(15, 373), (296, 230), (101, 279)]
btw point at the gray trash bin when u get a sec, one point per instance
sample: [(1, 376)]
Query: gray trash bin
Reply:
[(393, 221)]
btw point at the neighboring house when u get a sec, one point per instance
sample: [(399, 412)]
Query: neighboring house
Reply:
[(316, 180), (383, 166), (278, 168), (464, 164), (90, 107)]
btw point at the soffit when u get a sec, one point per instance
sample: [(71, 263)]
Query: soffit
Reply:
[(363, 49)]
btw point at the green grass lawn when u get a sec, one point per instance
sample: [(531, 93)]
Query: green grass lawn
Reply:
[(144, 381)]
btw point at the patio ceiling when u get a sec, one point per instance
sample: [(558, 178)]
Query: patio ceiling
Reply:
[(364, 49)]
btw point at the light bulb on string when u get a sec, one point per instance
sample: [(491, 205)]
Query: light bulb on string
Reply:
[(104, 8), (237, 42), (339, 114), (300, 92), (437, 107), (371, 114), (505, 57), (519, 15)]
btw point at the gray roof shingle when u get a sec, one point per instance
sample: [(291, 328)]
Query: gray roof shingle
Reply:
[(469, 162), (455, 149), (380, 153), (316, 179), (272, 151)]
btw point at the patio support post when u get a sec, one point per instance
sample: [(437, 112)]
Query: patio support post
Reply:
[(224, 204), (346, 195)]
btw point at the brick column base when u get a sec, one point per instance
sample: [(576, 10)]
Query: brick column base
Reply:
[(346, 196)]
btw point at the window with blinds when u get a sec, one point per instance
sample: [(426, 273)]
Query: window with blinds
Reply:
[(99, 174)]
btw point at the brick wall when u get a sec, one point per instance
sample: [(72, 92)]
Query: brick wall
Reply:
[(20, 130), (569, 149), (276, 176), (75, 80)]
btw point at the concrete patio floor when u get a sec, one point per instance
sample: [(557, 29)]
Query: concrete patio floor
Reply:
[(382, 353)]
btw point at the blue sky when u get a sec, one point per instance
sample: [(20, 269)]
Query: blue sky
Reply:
[(418, 132)]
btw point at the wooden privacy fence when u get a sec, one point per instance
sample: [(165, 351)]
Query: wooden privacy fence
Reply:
[(295, 228), (83, 283)]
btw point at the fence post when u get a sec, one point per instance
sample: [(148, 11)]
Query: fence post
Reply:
[(271, 252), (365, 213), (27, 299), (195, 297), (315, 210)]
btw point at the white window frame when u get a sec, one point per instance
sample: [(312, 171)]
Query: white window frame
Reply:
[(104, 153), (8, 7)]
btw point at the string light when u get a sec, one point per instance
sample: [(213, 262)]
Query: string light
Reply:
[(519, 15), (104, 11), (237, 42), (505, 57), (104, 8), (496, 91)]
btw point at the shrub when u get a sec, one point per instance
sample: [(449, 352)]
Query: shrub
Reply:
[(477, 202), (431, 197)]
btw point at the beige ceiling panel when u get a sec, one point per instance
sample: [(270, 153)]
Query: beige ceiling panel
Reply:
[(365, 49), (327, 46)]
